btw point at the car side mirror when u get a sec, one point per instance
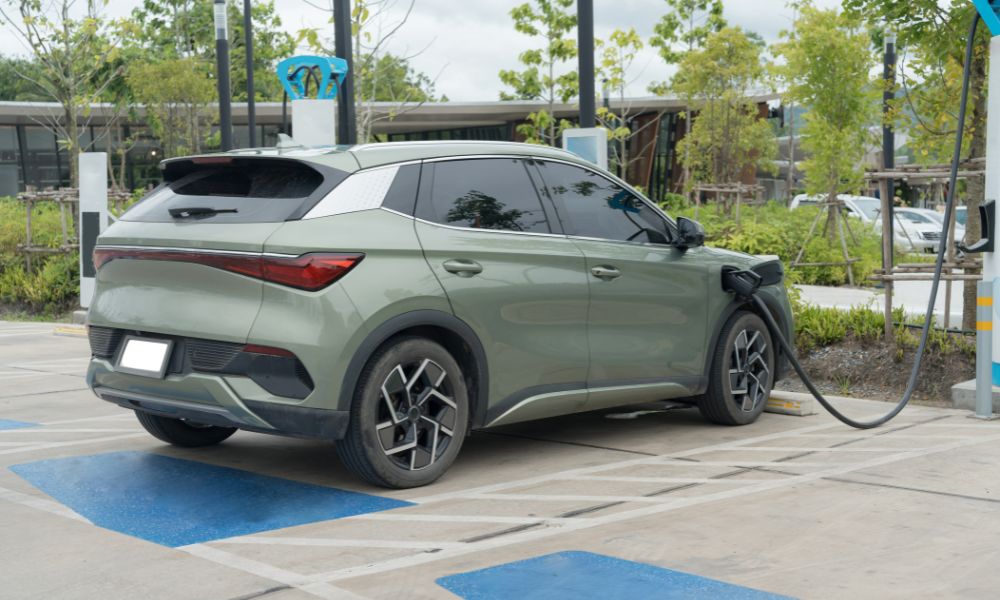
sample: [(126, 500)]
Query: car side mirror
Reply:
[(690, 234)]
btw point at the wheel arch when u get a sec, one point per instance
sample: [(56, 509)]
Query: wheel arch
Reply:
[(446, 329), (781, 366)]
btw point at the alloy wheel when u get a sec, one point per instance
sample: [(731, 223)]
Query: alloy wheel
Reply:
[(748, 371), (416, 415)]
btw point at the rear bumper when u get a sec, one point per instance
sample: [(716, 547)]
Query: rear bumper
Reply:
[(209, 399)]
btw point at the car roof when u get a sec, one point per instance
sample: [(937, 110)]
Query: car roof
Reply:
[(364, 156)]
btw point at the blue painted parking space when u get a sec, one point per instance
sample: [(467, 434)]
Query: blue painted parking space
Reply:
[(574, 575), (8, 424), (177, 502)]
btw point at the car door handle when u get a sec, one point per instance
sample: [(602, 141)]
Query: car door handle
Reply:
[(462, 267), (605, 272)]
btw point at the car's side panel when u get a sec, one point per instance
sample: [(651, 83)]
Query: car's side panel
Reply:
[(650, 322), (326, 328), (528, 306)]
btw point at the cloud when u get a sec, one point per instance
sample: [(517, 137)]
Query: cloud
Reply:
[(463, 45)]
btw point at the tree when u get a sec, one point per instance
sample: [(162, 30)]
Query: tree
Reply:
[(171, 29), (552, 21), (727, 136), (13, 86), (614, 63), (379, 76), (937, 34), (72, 62), (827, 71), (177, 94), (678, 33)]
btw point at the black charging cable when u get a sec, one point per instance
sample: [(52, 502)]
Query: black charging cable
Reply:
[(745, 286)]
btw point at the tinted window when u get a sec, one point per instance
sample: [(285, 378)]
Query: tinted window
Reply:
[(592, 206), (402, 193), (244, 190), (489, 193)]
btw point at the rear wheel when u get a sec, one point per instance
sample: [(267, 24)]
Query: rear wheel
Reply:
[(409, 416), (183, 433), (742, 372)]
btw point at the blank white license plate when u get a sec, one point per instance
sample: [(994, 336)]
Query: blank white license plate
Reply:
[(145, 357)]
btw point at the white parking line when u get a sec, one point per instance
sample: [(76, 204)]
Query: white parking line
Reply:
[(8, 375), (118, 415), (646, 460), (656, 509), (628, 479), (40, 503), (568, 498), (338, 543), (24, 333), (296, 580), (422, 518), (58, 430), (807, 449), (50, 445)]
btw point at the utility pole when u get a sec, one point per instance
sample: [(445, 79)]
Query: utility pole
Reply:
[(251, 104), (585, 35), (347, 126), (222, 74), (790, 178), (888, 135)]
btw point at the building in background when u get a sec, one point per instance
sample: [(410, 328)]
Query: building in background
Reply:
[(31, 156)]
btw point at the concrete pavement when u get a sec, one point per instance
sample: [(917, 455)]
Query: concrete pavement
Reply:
[(911, 295), (794, 506)]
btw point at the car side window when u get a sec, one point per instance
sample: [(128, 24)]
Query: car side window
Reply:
[(486, 193), (590, 205)]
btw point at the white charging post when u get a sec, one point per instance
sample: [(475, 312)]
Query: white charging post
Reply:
[(589, 143), (314, 121), (988, 350), (93, 216)]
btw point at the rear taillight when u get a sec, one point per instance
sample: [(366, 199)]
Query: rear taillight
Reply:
[(308, 272)]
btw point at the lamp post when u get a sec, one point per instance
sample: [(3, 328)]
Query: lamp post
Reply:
[(251, 104), (585, 33), (347, 127), (222, 74)]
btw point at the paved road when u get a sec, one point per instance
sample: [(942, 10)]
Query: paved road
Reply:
[(799, 506), (911, 295)]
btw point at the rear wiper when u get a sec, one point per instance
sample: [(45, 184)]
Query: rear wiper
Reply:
[(197, 211)]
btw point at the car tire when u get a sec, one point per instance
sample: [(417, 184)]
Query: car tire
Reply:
[(182, 433), (409, 415), (742, 372)]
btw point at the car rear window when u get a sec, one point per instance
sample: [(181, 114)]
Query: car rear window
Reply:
[(235, 190)]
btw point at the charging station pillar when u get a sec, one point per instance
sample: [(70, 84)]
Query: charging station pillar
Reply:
[(93, 216), (992, 192)]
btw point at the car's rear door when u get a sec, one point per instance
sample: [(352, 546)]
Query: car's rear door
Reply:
[(648, 309), (512, 277)]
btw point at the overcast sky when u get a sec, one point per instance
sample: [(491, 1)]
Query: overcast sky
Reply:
[(463, 44)]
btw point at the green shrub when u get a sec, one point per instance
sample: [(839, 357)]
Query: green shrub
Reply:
[(53, 285), (773, 229)]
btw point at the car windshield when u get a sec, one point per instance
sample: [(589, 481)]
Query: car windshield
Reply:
[(869, 206), (915, 217), (960, 214)]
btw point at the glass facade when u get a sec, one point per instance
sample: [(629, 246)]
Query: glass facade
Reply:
[(30, 154)]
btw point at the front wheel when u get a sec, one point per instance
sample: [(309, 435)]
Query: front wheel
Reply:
[(742, 372), (409, 416)]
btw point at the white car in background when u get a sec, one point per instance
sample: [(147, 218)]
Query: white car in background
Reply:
[(865, 208), (908, 234), (920, 232), (938, 218)]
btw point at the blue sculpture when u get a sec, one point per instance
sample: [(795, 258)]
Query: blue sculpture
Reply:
[(326, 72)]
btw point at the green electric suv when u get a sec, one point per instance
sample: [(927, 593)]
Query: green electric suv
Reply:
[(394, 297)]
